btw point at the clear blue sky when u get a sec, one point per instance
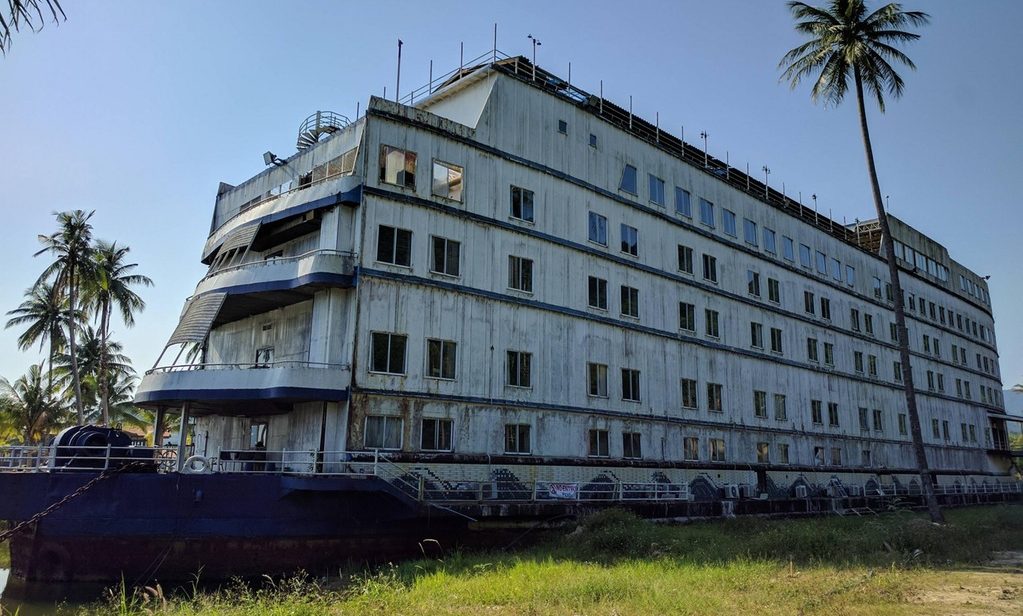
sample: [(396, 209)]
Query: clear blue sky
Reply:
[(139, 109)]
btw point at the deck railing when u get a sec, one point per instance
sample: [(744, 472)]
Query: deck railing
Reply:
[(46, 458), (284, 363)]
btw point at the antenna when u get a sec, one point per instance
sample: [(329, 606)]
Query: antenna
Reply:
[(704, 135), (767, 172), (536, 43), (397, 85)]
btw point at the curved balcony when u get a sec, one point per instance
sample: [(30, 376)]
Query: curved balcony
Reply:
[(317, 268), (244, 388)]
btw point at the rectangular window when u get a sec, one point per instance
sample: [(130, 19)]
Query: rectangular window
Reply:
[(868, 323), (630, 385), (597, 229), (597, 293), (964, 432), (630, 302), (783, 453), (522, 204), (773, 290), (687, 317), (519, 368), (878, 420), (707, 212), (630, 240), (893, 332), (683, 203), (817, 412), (850, 275), (770, 241), (903, 429), (447, 181), (388, 353), (788, 248), (822, 263), (760, 404), (763, 453), (865, 457), (833, 414), (728, 222), (444, 258), (930, 380), (872, 366), (805, 256), (858, 361), (864, 420), (685, 259), (877, 287), (656, 190), (382, 432), (809, 305), (935, 430), (756, 332), (927, 343), (829, 354), (436, 435), (394, 246), (945, 431), (811, 350), (825, 309), (781, 413), (836, 270), (520, 274), (776, 340), (397, 167), (710, 268), (516, 438), (440, 359), (593, 140), (836, 456), (596, 380), (714, 402), (563, 127), (749, 231), (711, 319), (897, 371), (691, 448), (599, 444), (717, 450), (854, 319), (632, 448), (973, 433), (629, 181), (753, 283), (689, 396)]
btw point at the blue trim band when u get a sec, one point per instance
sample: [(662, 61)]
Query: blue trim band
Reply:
[(298, 393)]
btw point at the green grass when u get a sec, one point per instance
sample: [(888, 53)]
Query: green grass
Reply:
[(5, 556), (616, 564)]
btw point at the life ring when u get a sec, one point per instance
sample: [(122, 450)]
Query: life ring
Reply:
[(196, 465)]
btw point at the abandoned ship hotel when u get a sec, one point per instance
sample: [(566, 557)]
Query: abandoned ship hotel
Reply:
[(513, 282)]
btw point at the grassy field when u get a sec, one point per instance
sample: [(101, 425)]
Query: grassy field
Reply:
[(615, 564)]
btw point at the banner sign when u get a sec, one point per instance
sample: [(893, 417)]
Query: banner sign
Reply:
[(563, 490)]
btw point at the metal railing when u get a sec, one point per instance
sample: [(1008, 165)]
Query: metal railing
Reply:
[(45, 458), (284, 363), (347, 258), (492, 55)]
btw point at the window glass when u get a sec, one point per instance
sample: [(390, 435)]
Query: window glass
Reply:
[(707, 213), (805, 256), (597, 229), (516, 438), (597, 293), (444, 258), (382, 432), (388, 353), (394, 246), (440, 359), (630, 240), (628, 183), (769, 241), (656, 190), (447, 181), (436, 435), (519, 368), (522, 204), (728, 222), (750, 231), (596, 376), (520, 274), (788, 247), (397, 167), (683, 205)]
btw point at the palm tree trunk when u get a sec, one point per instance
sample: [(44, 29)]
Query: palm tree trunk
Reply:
[(104, 383), (72, 298), (926, 482)]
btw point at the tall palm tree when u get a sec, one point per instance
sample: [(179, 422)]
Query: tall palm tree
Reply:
[(92, 353), (71, 247), (44, 313), (110, 286), (28, 14), (849, 44), (31, 403)]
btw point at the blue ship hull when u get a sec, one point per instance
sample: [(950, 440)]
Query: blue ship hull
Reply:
[(175, 526)]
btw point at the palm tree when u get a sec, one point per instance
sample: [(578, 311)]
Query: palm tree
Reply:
[(27, 13), (848, 44), (92, 353), (45, 314), (31, 404), (111, 286), (71, 246)]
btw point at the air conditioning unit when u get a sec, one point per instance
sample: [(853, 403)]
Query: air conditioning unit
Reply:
[(746, 491), (731, 491), (802, 492)]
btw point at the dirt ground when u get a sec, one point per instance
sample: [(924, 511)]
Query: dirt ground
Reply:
[(995, 588)]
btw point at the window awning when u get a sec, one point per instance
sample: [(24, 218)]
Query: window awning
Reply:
[(241, 237), (197, 318)]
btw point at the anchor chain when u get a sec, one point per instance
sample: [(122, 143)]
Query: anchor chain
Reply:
[(58, 504)]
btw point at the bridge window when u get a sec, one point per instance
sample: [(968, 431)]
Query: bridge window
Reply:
[(397, 167), (447, 181)]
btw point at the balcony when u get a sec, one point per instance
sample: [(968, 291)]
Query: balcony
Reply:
[(249, 389), (317, 268)]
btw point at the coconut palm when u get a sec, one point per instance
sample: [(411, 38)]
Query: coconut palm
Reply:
[(110, 286), (26, 13), (92, 353), (71, 247), (849, 44), (31, 404), (44, 313)]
